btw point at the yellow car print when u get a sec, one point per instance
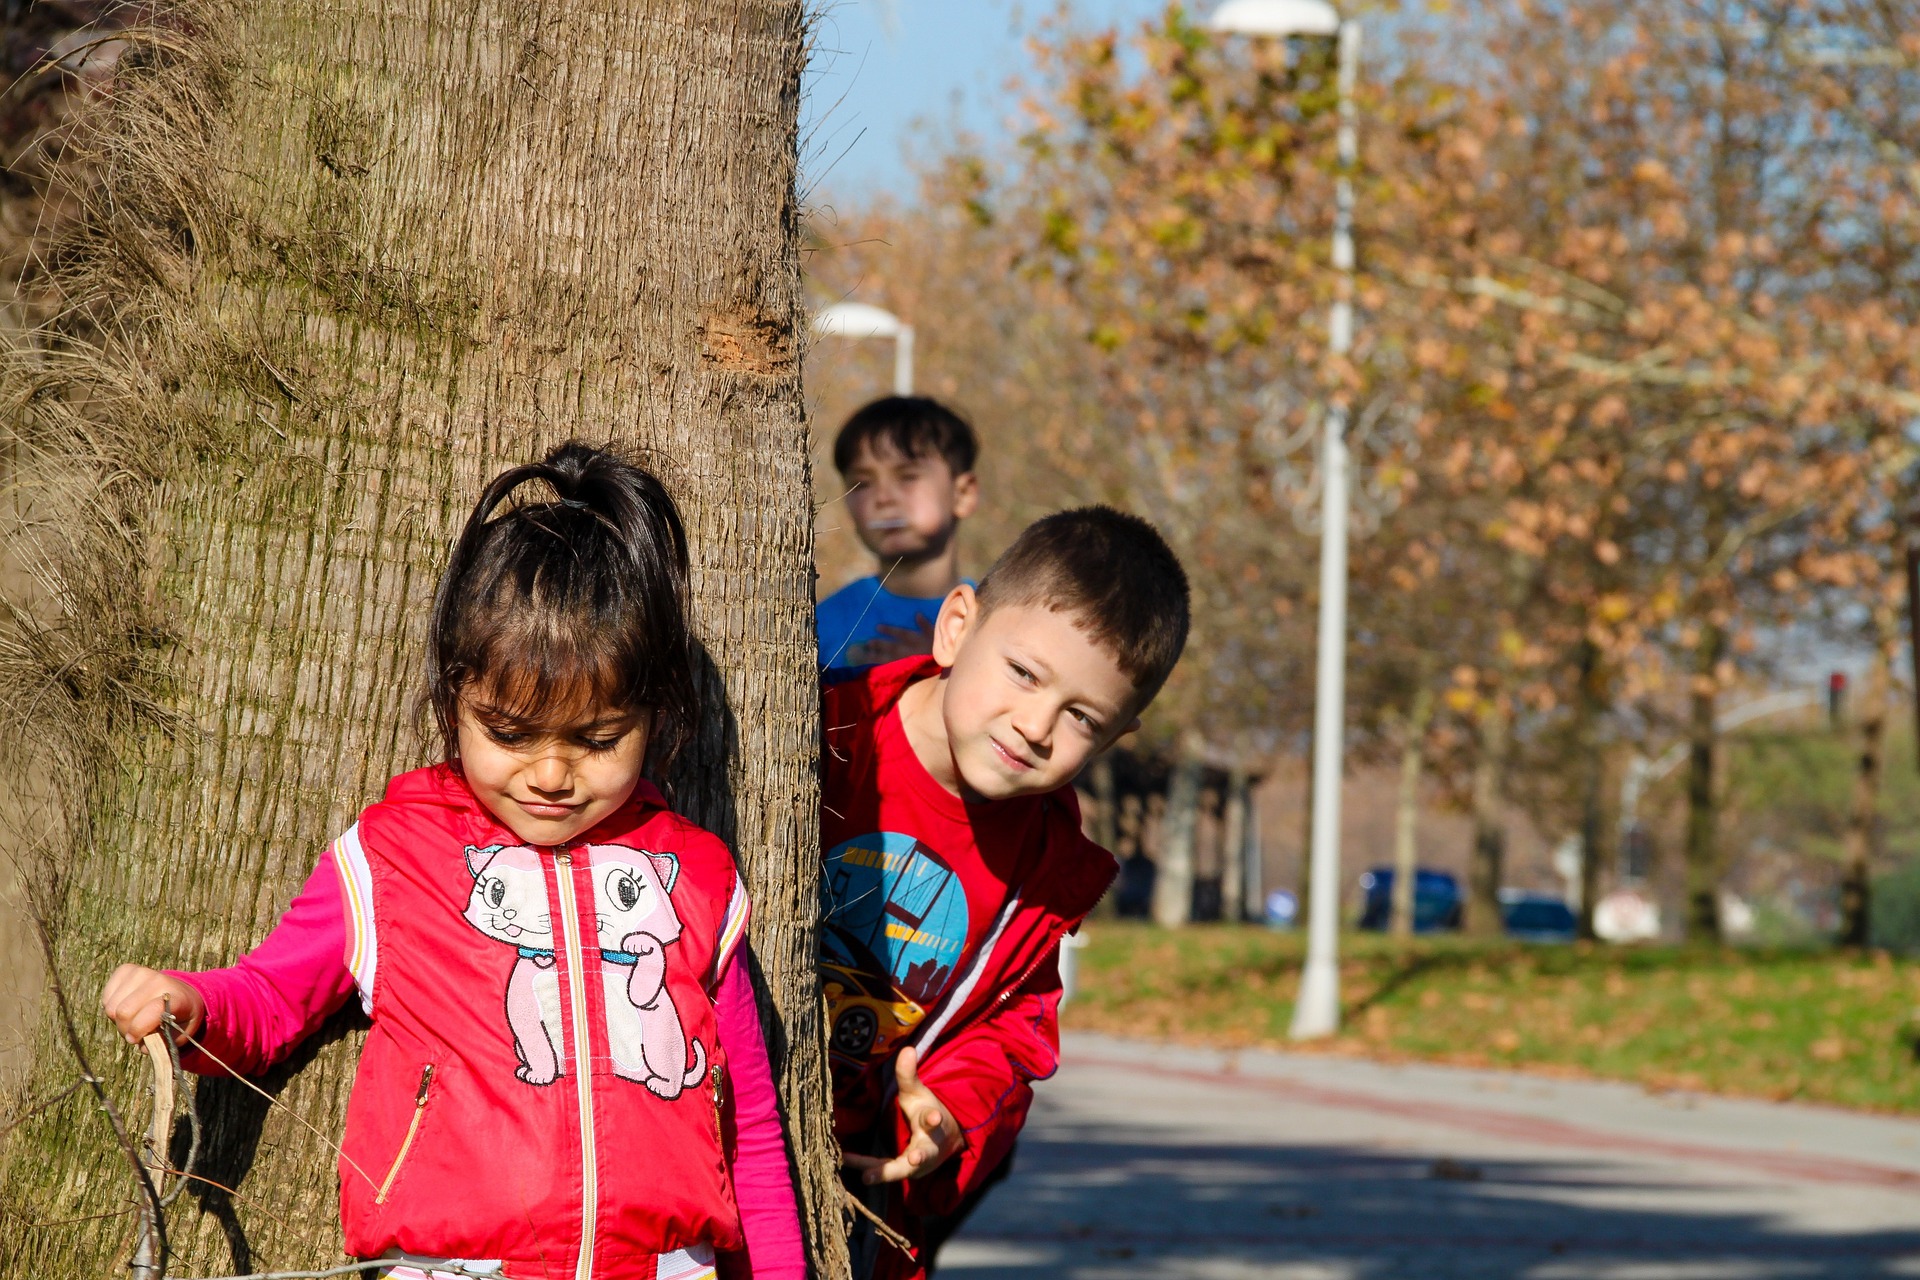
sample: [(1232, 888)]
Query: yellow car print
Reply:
[(868, 1015)]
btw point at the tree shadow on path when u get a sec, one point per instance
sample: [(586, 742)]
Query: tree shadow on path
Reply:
[(1090, 1201)]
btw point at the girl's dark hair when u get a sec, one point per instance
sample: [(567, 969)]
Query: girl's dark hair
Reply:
[(574, 592)]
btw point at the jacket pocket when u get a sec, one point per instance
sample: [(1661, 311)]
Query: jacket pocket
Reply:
[(413, 1131)]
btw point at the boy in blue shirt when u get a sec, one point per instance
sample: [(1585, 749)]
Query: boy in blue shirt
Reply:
[(908, 462)]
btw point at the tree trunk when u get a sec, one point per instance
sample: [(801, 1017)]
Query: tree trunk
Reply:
[(1233, 846), (1106, 825), (1406, 816), (1703, 811), (1253, 881), (1863, 823), (1173, 886), (1488, 865), (349, 261), (1306, 842), (1589, 707)]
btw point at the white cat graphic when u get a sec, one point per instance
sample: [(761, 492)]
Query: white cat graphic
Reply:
[(634, 923)]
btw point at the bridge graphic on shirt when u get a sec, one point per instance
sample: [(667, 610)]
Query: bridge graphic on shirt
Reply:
[(894, 919)]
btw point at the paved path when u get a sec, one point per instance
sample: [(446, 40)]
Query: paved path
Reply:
[(1156, 1161)]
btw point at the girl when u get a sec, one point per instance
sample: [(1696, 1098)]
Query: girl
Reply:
[(565, 1076)]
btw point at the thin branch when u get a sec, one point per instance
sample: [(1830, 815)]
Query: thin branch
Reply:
[(250, 1201), (880, 1226), (172, 1028), (41, 1223), (372, 1264), (1485, 286), (154, 1213), (275, 1102), (1645, 369), (1649, 367), (40, 1106)]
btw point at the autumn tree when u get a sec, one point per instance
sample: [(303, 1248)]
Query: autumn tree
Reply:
[(1632, 368)]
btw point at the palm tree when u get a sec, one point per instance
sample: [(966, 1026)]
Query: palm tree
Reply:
[(334, 265)]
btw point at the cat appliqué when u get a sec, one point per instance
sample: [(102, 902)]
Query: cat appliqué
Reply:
[(634, 922)]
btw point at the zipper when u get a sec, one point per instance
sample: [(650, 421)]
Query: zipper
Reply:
[(582, 1061), (1028, 972), (1051, 947), (413, 1129), (927, 1038), (1018, 982), (718, 1079)]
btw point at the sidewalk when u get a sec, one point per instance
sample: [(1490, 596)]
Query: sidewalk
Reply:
[(1156, 1160)]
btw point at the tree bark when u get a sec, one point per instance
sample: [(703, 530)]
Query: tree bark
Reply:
[(1488, 865), (1100, 780), (1106, 824), (1233, 846), (1306, 840), (1253, 881), (349, 261), (1406, 816), (1703, 811), (1591, 705), (1173, 885), (1493, 728), (1863, 822)]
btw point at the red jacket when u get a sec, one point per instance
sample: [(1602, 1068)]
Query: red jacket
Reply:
[(473, 1130), (997, 1029)]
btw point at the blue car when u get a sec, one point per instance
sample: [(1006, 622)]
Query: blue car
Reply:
[(1537, 917), (1436, 900)]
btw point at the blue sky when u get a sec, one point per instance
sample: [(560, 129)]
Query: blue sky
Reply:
[(886, 72)]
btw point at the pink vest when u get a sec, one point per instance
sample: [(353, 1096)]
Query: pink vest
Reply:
[(542, 1084)]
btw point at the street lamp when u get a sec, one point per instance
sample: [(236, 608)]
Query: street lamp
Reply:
[(860, 320), (1317, 1011)]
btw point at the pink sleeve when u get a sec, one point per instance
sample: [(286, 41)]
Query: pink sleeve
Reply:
[(761, 1181), (278, 993)]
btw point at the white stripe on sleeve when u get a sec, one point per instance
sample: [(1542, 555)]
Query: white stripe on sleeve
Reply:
[(356, 886)]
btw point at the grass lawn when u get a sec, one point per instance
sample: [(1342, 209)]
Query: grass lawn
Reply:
[(1817, 1026)]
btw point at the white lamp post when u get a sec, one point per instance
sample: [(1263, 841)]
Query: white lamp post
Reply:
[(1317, 1011), (860, 320)]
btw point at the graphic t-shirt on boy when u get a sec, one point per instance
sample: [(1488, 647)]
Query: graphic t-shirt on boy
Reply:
[(913, 880), (850, 619)]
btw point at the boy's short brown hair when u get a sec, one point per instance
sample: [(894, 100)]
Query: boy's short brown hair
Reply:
[(1115, 574), (915, 426)]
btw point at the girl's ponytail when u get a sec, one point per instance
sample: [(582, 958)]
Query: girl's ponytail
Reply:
[(569, 581)]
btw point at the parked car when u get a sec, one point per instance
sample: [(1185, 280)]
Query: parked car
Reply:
[(1436, 900), (1537, 917)]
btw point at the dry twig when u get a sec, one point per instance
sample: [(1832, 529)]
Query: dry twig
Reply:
[(880, 1226)]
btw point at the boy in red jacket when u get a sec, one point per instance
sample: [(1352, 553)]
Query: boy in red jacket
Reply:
[(955, 861)]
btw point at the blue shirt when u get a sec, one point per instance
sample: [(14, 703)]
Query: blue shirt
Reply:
[(850, 618)]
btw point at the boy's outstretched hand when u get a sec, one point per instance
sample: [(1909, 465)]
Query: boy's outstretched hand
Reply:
[(935, 1135), (133, 999)]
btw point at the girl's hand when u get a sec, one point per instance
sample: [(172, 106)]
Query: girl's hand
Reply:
[(133, 998)]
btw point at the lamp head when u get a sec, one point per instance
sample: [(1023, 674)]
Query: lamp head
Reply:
[(1275, 18), (857, 320)]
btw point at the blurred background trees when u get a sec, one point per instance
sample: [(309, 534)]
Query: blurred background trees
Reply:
[(1635, 406)]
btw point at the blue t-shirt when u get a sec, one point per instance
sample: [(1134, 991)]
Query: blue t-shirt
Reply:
[(850, 619)]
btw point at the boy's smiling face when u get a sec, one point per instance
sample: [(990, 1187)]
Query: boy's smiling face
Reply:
[(905, 506), (1027, 698)]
